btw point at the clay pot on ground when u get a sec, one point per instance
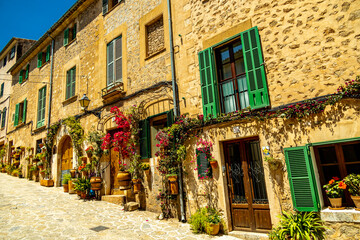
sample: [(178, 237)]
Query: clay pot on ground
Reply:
[(83, 195), (137, 185), (335, 202), (213, 228), (47, 182), (72, 173), (123, 178), (95, 183), (71, 187), (66, 187), (356, 200), (174, 188)]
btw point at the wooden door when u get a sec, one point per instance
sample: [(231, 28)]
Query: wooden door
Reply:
[(66, 157), (247, 191)]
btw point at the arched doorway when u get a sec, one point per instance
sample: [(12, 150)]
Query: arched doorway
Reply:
[(66, 157)]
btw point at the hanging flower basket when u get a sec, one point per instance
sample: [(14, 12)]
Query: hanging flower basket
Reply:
[(174, 188)]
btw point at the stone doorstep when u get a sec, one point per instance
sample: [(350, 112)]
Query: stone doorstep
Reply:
[(349, 215), (249, 235), (115, 199)]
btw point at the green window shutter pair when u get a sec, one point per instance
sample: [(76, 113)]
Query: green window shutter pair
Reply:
[(302, 181), (66, 37), (16, 120), (48, 52), (255, 74), (70, 83), (27, 71), (41, 107), (145, 143), (170, 118), (2, 90), (203, 165), (3, 118), (39, 61)]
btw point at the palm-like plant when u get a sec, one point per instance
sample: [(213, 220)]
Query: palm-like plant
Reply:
[(299, 226)]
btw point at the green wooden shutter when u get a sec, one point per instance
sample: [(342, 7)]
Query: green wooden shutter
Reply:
[(255, 70), (209, 89), (203, 165), (302, 179), (41, 107), (73, 81), (21, 76), (105, 6), (74, 32), (39, 61), (2, 90), (145, 142), (16, 120), (3, 119), (48, 53), (27, 71), (66, 37), (24, 110), (170, 118)]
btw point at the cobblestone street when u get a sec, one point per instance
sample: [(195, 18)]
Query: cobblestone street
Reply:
[(30, 211)]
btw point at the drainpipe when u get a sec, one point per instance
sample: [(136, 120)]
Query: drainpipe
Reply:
[(51, 81), (176, 108)]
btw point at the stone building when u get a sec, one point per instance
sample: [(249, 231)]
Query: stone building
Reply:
[(12, 51), (240, 61)]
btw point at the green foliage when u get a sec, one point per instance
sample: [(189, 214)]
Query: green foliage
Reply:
[(66, 178), (39, 164), (76, 133), (82, 184), (353, 183), (299, 226), (203, 217), (34, 168), (335, 188), (145, 166)]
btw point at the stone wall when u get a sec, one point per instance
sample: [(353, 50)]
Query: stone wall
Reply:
[(343, 230)]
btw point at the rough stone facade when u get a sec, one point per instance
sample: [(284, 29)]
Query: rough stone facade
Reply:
[(309, 48)]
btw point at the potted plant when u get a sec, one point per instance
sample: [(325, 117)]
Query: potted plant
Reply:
[(334, 190), (89, 151), (65, 182), (72, 173), (123, 176), (83, 159), (145, 167), (35, 172), (137, 184), (172, 178), (206, 220), (353, 183), (40, 165), (95, 183), (38, 156), (82, 185)]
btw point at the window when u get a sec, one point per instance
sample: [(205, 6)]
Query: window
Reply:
[(44, 57), (149, 128), (20, 113), (332, 160), (203, 164), (39, 142), (12, 53), (114, 62), (3, 118), (24, 74), (2, 90), (155, 41), (70, 83), (108, 5), (41, 108), (5, 60), (233, 75), (69, 34)]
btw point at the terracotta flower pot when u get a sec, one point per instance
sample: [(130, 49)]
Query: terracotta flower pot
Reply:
[(83, 195), (356, 200), (213, 229), (95, 183), (213, 164), (66, 187), (123, 178), (137, 185), (335, 202), (72, 173), (71, 187)]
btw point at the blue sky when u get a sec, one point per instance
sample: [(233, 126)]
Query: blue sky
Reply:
[(29, 19)]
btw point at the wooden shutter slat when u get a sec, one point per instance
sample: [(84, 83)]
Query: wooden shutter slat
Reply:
[(208, 81), (302, 179), (255, 70)]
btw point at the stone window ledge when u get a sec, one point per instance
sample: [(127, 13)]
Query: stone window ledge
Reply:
[(155, 53), (347, 215), (69, 100)]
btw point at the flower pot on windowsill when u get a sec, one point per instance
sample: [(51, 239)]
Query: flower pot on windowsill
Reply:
[(213, 164), (356, 200), (336, 203)]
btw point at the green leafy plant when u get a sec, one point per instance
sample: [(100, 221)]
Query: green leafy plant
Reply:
[(200, 220), (82, 184), (66, 178), (299, 226), (353, 183), (34, 168), (145, 166), (335, 188)]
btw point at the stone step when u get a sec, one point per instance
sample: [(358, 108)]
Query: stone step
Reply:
[(249, 235), (116, 199), (130, 196)]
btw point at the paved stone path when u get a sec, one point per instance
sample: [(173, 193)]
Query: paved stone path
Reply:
[(30, 211)]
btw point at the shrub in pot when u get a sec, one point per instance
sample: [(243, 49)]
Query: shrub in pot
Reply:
[(206, 220), (353, 183), (65, 182)]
